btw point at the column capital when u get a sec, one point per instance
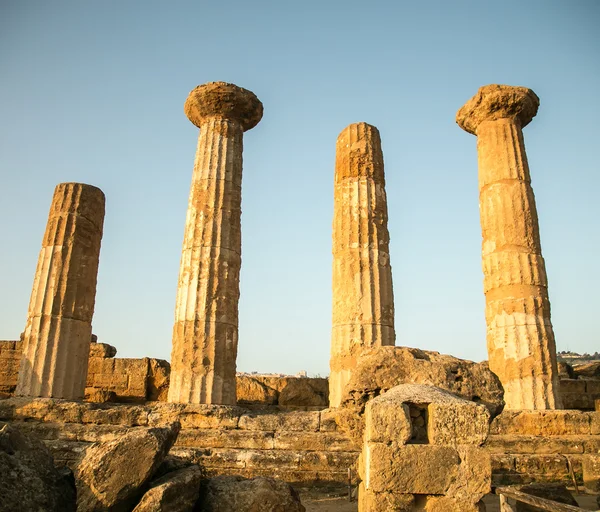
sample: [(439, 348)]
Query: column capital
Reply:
[(228, 101), (494, 102)]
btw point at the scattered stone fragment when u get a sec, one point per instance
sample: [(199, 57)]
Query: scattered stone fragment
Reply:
[(177, 491), (111, 474), (28, 478), (235, 493), (383, 368)]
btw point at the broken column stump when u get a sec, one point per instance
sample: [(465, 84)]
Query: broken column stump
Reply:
[(56, 342)]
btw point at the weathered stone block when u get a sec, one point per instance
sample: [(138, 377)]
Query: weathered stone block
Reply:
[(474, 477), (591, 473), (369, 501), (290, 421), (416, 469), (446, 504), (387, 420), (542, 423), (572, 386), (458, 423)]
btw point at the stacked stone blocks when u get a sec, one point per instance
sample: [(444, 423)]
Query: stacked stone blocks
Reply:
[(434, 464)]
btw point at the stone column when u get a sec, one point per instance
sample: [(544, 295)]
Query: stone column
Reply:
[(205, 335), (521, 346), (363, 301), (56, 342)]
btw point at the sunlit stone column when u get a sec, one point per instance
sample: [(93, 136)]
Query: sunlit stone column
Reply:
[(520, 339), (205, 335), (56, 342), (363, 302)]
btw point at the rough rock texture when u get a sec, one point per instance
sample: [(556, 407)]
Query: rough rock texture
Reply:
[(131, 380), (448, 461), (588, 370), (250, 390), (205, 334), (102, 350), (495, 102), (228, 493), (554, 492), (363, 300), (220, 99), (284, 391), (174, 492), (99, 396), (57, 335), (520, 338), (300, 447), (111, 474), (381, 369), (565, 371), (10, 360), (28, 478), (591, 473)]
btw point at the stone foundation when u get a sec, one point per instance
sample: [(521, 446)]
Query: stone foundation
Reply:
[(542, 446), (300, 447)]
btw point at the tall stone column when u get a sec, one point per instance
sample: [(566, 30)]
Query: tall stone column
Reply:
[(59, 322), (520, 339), (363, 301), (205, 335)]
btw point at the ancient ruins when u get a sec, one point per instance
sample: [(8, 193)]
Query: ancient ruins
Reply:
[(396, 428), (56, 342), (520, 339), (363, 299), (205, 334)]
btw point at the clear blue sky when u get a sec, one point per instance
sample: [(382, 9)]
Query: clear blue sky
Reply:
[(94, 91)]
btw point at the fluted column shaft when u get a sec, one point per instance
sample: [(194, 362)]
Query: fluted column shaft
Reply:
[(520, 339), (59, 321), (205, 334), (363, 303), (521, 346)]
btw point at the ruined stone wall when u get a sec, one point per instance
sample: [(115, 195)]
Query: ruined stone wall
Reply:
[(302, 447), (10, 359), (137, 380), (131, 380), (536, 446)]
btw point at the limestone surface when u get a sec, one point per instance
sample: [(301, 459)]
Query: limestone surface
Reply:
[(363, 302), (111, 474), (56, 341), (205, 334), (177, 491), (520, 338), (28, 478), (383, 368), (227, 493)]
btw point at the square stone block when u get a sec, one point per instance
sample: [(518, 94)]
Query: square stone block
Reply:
[(387, 421), (458, 423), (409, 469)]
